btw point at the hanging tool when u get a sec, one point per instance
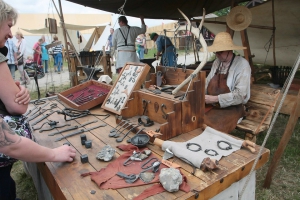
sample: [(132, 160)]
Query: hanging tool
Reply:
[(79, 132), (72, 128)]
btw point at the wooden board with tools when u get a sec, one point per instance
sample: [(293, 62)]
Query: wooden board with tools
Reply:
[(65, 181)]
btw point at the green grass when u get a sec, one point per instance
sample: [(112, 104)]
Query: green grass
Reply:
[(24, 183)]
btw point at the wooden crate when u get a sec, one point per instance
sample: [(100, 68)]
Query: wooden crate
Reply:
[(92, 84)]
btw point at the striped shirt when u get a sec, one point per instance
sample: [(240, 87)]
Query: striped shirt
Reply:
[(12, 49), (57, 49)]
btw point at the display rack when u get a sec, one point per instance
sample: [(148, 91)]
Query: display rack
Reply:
[(130, 79)]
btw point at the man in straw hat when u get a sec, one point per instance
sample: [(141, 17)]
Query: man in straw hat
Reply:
[(227, 85)]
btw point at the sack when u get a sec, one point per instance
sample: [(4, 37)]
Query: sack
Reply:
[(20, 61), (21, 127), (145, 51)]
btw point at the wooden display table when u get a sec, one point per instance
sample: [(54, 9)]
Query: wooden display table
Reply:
[(65, 182)]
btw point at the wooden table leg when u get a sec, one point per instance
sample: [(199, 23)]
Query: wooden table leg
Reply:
[(251, 137), (284, 141)]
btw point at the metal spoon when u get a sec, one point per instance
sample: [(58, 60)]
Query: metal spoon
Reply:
[(119, 132), (121, 139), (112, 134)]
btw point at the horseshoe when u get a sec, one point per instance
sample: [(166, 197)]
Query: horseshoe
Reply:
[(165, 116)]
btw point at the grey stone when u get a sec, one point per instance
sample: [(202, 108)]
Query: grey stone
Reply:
[(143, 156), (147, 152), (170, 178), (106, 153)]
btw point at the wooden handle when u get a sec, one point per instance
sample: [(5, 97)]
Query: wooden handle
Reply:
[(249, 145), (158, 142)]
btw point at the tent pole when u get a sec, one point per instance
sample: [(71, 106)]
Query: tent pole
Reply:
[(273, 15), (71, 76)]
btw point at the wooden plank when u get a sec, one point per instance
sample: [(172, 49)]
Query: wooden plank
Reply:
[(287, 106)]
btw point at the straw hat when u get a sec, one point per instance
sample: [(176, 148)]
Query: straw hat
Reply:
[(223, 42), (239, 18)]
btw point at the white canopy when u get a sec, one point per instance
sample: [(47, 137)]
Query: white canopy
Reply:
[(287, 42)]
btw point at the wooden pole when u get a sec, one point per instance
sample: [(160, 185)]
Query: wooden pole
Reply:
[(247, 52), (273, 15), (283, 142), (66, 44)]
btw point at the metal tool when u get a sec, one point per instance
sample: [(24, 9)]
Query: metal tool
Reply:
[(168, 154), (129, 140), (78, 132), (33, 116), (114, 129), (133, 157), (120, 132), (27, 113), (72, 128), (112, 134), (146, 178), (121, 139), (42, 118)]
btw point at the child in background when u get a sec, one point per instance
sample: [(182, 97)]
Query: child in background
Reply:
[(29, 59)]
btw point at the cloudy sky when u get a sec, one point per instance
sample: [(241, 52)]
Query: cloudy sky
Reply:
[(46, 6)]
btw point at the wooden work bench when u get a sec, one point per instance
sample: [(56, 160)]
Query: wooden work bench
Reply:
[(65, 182)]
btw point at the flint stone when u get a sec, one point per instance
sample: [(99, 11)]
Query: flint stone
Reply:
[(147, 152), (106, 153), (170, 178)]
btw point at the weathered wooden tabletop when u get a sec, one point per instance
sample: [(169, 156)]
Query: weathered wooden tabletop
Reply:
[(65, 182)]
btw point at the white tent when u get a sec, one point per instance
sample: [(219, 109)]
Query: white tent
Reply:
[(72, 30), (287, 42)]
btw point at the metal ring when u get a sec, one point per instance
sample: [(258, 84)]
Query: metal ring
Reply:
[(195, 150), (226, 148), (208, 150)]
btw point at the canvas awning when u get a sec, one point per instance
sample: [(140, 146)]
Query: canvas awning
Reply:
[(158, 9), (287, 24)]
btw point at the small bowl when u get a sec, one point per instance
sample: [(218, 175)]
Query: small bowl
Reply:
[(140, 140)]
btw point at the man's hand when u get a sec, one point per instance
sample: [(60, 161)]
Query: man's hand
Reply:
[(210, 99), (23, 96)]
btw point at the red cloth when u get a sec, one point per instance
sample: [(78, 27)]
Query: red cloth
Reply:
[(106, 178)]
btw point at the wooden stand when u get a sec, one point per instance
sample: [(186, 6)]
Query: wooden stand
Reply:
[(90, 60), (283, 142), (171, 116), (130, 79)]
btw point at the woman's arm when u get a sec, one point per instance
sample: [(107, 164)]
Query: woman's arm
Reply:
[(24, 149), (8, 91)]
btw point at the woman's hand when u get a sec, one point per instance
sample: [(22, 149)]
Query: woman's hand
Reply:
[(64, 154), (23, 96)]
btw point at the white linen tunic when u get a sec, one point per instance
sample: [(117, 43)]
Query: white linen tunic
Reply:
[(126, 53), (238, 82)]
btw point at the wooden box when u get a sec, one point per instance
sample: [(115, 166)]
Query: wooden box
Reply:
[(130, 79), (95, 90)]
